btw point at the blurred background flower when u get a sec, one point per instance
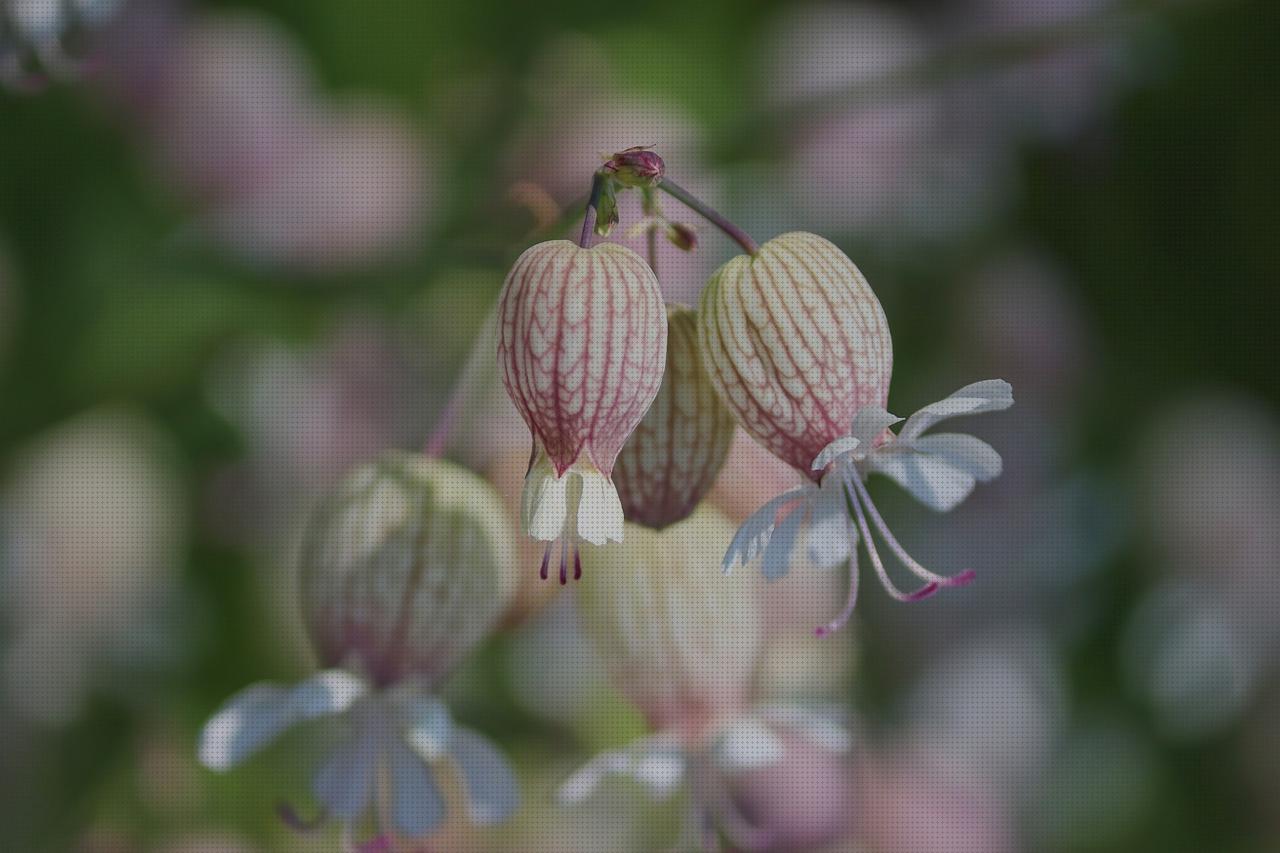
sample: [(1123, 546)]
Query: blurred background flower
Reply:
[(1074, 195)]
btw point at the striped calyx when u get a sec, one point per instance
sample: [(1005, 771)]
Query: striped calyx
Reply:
[(680, 638), (406, 568), (582, 346), (796, 343), (672, 459)]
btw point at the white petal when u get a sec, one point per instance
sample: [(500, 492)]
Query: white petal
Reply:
[(748, 745), (822, 727), (782, 542), (545, 502), (329, 692), (965, 452), (660, 771), (869, 423), (600, 516), (931, 480), (344, 783), (417, 807), (830, 535), (492, 792), (249, 721), (586, 780), (427, 726), (754, 533), (991, 395), (840, 447)]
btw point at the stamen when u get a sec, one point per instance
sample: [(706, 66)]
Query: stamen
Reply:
[(577, 563), (905, 597), (845, 615), (564, 562), (960, 579), (546, 561)]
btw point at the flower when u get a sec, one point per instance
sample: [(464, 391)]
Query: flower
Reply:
[(679, 641), (732, 770), (796, 343), (675, 454), (405, 570), (395, 739), (939, 470), (582, 344)]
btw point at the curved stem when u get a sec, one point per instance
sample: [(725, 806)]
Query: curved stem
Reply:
[(593, 210), (680, 194)]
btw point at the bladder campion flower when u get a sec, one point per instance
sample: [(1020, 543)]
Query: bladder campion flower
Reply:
[(582, 347), (798, 347), (405, 570), (674, 456)]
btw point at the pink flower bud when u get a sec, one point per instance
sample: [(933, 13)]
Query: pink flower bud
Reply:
[(796, 343), (675, 455), (406, 568), (636, 167), (582, 348)]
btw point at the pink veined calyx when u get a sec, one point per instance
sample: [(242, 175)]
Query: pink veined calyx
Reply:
[(582, 347)]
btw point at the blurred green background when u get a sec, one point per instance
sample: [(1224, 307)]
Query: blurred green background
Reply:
[(244, 245)]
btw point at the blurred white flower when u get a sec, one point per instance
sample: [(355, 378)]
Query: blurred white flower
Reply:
[(93, 519)]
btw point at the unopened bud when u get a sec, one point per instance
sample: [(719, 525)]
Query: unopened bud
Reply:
[(673, 458), (406, 568), (636, 167), (682, 236)]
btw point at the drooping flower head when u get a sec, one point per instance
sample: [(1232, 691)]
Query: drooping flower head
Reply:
[(680, 641), (672, 459), (582, 346), (797, 345), (405, 570)]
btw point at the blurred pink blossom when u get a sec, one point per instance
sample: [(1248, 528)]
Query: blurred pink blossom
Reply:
[(276, 172)]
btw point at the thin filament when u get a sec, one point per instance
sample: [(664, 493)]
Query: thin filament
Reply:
[(546, 560), (918, 570), (845, 615), (923, 592)]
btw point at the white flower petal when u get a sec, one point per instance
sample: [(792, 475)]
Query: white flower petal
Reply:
[(344, 783), (991, 395), (822, 727), (492, 792), (545, 503), (660, 771), (417, 806), (829, 540), (248, 721), (427, 726), (869, 423), (835, 450), (600, 516), (754, 533), (331, 691), (748, 744), (586, 780), (931, 480), (782, 542), (966, 452)]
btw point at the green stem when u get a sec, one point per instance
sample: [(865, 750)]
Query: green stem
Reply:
[(593, 209), (742, 238)]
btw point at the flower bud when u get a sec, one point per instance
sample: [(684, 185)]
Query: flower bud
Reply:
[(679, 637), (406, 568), (636, 167), (582, 346), (796, 343), (673, 457)]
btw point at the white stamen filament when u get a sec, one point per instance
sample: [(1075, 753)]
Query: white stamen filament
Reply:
[(845, 615), (888, 584), (918, 570)]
